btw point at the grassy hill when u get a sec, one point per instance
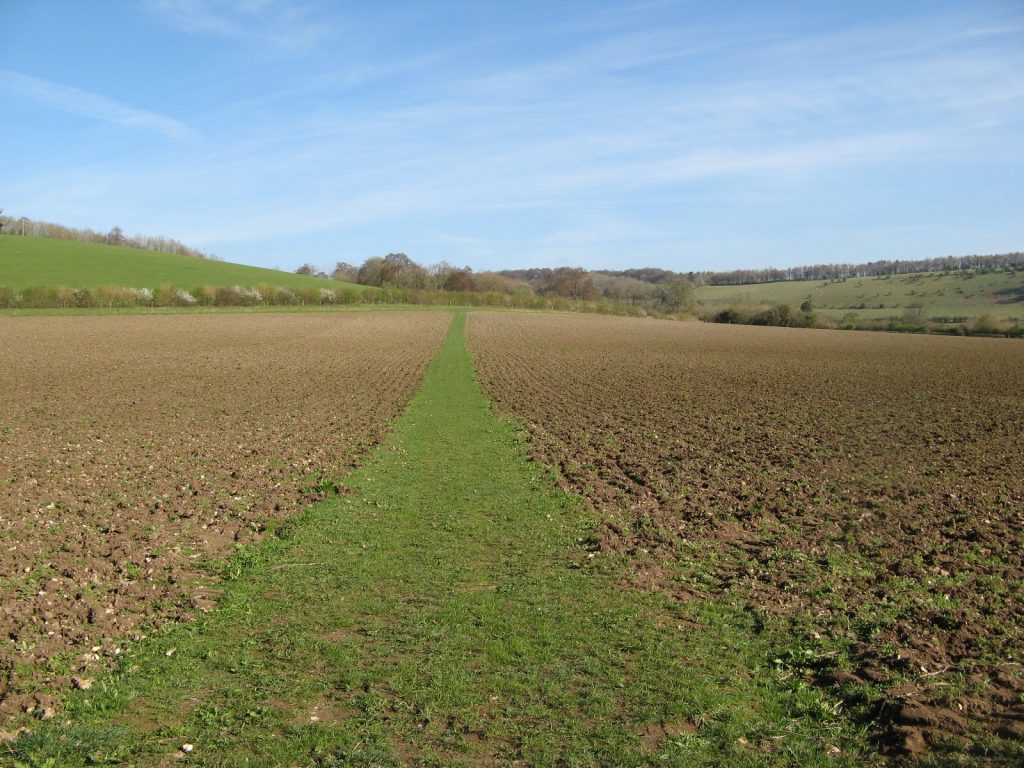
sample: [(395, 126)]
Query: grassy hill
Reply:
[(938, 296), (29, 261)]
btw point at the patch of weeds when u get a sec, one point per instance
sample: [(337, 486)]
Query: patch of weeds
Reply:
[(322, 486), (246, 558), (69, 745)]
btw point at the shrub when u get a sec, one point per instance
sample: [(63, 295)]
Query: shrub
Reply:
[(169, 296), (140, 296), (84, 297), (115, 296), (226, 297), (349, 296), (781, 315), (9, 298), (249, 296), (307, 296), (65, 296), (914, 314), (163, 296), (205, 295), (986, 324), (237, 296), (38, 296), (849, 321), (184, 298), (731, 315)]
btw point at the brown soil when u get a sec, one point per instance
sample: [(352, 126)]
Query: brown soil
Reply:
[(867, 489), (136, 453), (653, 735)]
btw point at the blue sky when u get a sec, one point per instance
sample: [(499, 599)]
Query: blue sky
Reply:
[(685, 135)]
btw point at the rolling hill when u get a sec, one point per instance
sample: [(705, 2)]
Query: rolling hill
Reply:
[(945, 297), (30, 261)]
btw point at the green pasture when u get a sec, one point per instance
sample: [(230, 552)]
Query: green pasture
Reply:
[(35, 261), (938, 295)]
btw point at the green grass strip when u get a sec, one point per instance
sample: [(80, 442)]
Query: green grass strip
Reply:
[(444, 612)]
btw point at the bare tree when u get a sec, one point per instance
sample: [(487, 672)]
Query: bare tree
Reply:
[(310, 270), (115, 237), (345, 272), (402, 272), (370, 272), (459, 280)]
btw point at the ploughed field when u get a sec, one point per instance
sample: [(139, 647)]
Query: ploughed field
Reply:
[(136, 453), (864, 490)]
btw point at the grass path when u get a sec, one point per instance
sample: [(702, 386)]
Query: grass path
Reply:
[(444, 612)]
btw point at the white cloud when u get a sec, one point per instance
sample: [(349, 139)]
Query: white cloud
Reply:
[(287, 27), (75, 101)]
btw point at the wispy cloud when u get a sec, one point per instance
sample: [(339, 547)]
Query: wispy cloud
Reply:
[(76, 101), (800, 159), (287, 27), (650, 130)]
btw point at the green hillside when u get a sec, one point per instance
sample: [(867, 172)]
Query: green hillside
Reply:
[(30, 261), (939, 296)]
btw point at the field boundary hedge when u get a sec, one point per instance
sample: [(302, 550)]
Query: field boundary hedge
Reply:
[(114, 296), (783, 315)]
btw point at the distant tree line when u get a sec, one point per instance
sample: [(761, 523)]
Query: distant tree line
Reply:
[(671, 292), (655, 290), (397, 270), (26, 227), (912, 321), (827, 271), (650, 288)]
